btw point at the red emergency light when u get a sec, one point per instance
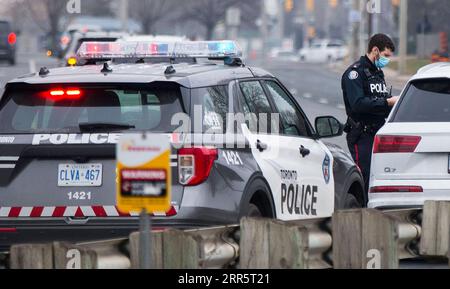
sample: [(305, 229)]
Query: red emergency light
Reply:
[(61, 94)]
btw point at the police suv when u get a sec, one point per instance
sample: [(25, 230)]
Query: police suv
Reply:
[(59, 129), (411, 155)]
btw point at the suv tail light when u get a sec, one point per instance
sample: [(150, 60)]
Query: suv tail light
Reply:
[(195, 164), (396, 189), (395, 144), (12, 38)]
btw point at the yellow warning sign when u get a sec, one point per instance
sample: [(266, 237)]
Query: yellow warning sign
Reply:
[(143, 173)]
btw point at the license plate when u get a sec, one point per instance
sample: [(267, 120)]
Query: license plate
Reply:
[(80, 175)]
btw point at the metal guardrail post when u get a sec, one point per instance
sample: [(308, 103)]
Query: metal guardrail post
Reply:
[(108, 254)]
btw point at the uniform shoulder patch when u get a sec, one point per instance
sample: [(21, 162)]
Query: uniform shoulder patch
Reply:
[(353, 75)]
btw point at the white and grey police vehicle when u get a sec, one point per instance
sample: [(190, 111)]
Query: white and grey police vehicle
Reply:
[(411, 155), (59, 129)]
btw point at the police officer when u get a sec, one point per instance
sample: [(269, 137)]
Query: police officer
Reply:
[(368, 102)]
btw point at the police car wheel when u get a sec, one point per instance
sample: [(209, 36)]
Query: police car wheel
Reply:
[(351, 202), (253, 211), (257, 201)]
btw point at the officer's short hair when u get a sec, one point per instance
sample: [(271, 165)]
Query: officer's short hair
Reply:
[(382, 41)]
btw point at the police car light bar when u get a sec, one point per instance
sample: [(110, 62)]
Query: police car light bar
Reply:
[(192, 49)]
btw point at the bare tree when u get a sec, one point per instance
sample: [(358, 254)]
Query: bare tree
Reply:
[(150, 12), (207, 12), (48, 14), (210, 12), (97, 8)]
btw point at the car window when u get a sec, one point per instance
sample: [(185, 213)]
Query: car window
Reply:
[(332, 45), (99, 39), (292, 120), (425, 101), (5, 28), (255, 98), (255, 102), (142, 108), (214, 102)]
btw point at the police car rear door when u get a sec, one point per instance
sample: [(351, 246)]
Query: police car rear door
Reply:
[(309, 191)]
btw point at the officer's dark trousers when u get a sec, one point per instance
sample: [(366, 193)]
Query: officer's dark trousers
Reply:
[(362, 155)]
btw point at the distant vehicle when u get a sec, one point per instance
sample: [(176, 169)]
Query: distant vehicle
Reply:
[(324, 51), (70, 58), (154, 38), (99, 24), (285, 55), (411, 157), (89, 24), (8, 39)]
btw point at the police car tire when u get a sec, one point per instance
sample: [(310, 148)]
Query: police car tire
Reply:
[(351, 202), (253, 211), (257, 201)]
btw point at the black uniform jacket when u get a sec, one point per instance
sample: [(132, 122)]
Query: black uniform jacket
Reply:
[(365, 93)]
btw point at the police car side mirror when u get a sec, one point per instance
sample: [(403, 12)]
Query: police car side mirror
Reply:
[(328, 127)]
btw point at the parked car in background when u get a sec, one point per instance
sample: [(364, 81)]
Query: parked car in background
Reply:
[(154, 38), (285, 55), (8, 39), (70, 55), (324, 51)]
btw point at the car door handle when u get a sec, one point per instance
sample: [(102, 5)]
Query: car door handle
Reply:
[(261, 146), (304, 151)]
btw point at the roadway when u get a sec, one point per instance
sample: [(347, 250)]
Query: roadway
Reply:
[(26, 63)]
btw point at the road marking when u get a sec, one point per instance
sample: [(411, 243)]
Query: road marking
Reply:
[(7, 166), (293, 91), (9, 159), (307, 95), (341, 106), (323, 101)]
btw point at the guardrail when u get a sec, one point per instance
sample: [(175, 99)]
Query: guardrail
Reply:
[(354, 239)]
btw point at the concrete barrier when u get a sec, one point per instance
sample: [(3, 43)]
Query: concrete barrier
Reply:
[(274, 244), (62, 255), (371, 239), (436, 229), (212, 248), (353, 239)]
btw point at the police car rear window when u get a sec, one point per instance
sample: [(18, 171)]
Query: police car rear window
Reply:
[(425, 101), (80, 109)]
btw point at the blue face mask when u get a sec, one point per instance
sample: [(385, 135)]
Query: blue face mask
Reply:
[(382, 62)]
